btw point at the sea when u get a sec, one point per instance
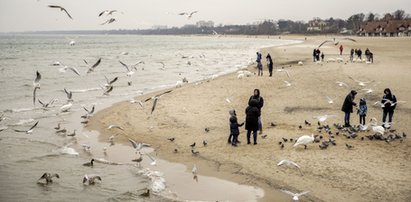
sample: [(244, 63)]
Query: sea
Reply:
[(157, 62)]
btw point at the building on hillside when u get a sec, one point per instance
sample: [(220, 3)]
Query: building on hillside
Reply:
[(386, 28), (203, 23), (316, 25)]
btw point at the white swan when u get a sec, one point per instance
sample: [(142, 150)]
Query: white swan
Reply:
[(304, 140), (375, 127)]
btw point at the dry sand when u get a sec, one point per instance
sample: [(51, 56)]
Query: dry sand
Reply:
[(372, 171)]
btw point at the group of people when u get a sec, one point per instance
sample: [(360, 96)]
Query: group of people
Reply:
[(388, 103), (270, 64), (252, 122), (317, 54), (358, 53)]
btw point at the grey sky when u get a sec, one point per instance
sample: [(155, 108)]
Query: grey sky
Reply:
[(31, 15)]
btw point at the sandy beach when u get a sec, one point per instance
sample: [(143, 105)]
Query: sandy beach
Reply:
[(371, 171)]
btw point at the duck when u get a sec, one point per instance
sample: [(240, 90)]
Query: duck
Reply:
[(49, 177), (89, 164)]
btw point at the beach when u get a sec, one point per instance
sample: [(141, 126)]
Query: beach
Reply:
[(371, 171)]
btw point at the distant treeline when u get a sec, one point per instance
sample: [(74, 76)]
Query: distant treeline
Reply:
[(266, 27)]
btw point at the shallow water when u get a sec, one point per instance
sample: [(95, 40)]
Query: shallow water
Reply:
[(26, 157)]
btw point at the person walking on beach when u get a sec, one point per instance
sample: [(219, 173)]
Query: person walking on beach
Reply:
[(269, 64), (234, 131), (389, 103), (322, 57), (260, 104), (314, 55), (351, 55), (341, 49), (359, 52), (317, 55), (259, 65), (347, 107), (362, 111), (251, 121)]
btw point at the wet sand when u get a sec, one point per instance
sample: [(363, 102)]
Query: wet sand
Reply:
[(372, 171)]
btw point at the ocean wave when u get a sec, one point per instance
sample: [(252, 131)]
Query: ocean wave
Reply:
[(69, 151), (158, 183), (19, 110)]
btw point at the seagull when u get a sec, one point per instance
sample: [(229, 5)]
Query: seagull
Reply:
[(109, 21), (57, 127), (304, 140), (89, 112), (341, 84), (367, 90), (66, 107), (285, 71), (288, 84), (69, 95), (138, 146), (91, 179), (323, 117), (89, 164), (290, 164), (36, 85), (107, 12), (73, 69), (360, 83), (330, 101), (188, 15), (72, 43), (138, 63), (48, 177), (29, 131), (61, 9), (296, 196), (194, 171), (129, 72), (328, 41), (86, 148), (205, 143), (46, 105), (115, 126), (164, 65), (91, 69), (153, 160), (154, 105), (139, 159), (107, 90)]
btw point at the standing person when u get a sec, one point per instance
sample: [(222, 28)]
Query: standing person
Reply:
[(362, 111), (234, 131), (322, 57), (352, 55), (314, 55), (251, 121), (359, 52), (341, 49), (389, 103), (317, 55), (259, 65), (347, 107), (260, 104), (269, 64)]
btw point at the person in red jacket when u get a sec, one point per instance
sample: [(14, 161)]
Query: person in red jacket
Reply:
[(341, 49)]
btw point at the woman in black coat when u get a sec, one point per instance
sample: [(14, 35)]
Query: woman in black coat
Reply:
[(389, 103), (347, 107), (251, 121)]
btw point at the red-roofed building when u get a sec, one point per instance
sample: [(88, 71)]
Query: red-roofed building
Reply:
[(386, 28)]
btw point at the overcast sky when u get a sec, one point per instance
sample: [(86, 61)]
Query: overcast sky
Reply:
[(34, 15)]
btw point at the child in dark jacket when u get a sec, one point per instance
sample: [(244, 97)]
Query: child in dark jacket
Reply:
[(362, 111), (234, 131)]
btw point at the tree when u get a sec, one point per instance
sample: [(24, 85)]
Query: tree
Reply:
[(354, 22), (371, 17), (399, 14)]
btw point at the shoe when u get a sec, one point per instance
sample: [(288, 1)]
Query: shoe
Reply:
[(255, 143), (234, 145), (248, 142), (238, 142)]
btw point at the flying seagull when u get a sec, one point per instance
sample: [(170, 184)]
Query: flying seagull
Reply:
[(138, 146), (107, 90), (69, 95), (107, 12), (188, 15), (61, 9), (328, 41), (290, 164), (36, 85), (330, 100), (129, 70), (115, 126), (296, 196), (284, 71), (91, 69), (109, 21), (46, 105), (29, 131), (360, 83), (110, 83)]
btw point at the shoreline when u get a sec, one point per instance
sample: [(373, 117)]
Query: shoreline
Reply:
[(224, 167)]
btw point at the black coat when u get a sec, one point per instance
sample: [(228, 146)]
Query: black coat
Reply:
[(260, 102), (234, 126), (252, 114), (348, 103), (388, 107)]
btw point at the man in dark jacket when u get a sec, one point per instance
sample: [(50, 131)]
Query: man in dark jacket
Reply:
[(347, 107), (390, 102), (251, 121), (234, 131), (260, 104), (269, 64)]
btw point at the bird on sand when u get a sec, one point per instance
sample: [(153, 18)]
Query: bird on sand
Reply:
[(205, 143), (29, 131), (360, 83), (284, 71), (375, 127), (341, 84), (304, 140), (194, 171), (91, 179), (61, 9), (289, 163), (107, 12), (91, 69), (193, 145), (89, 164), (188, 15), (194, 152), (36, 85), (296, 196), (348, 146), (171, 139), (109, 21), (48, 177)]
